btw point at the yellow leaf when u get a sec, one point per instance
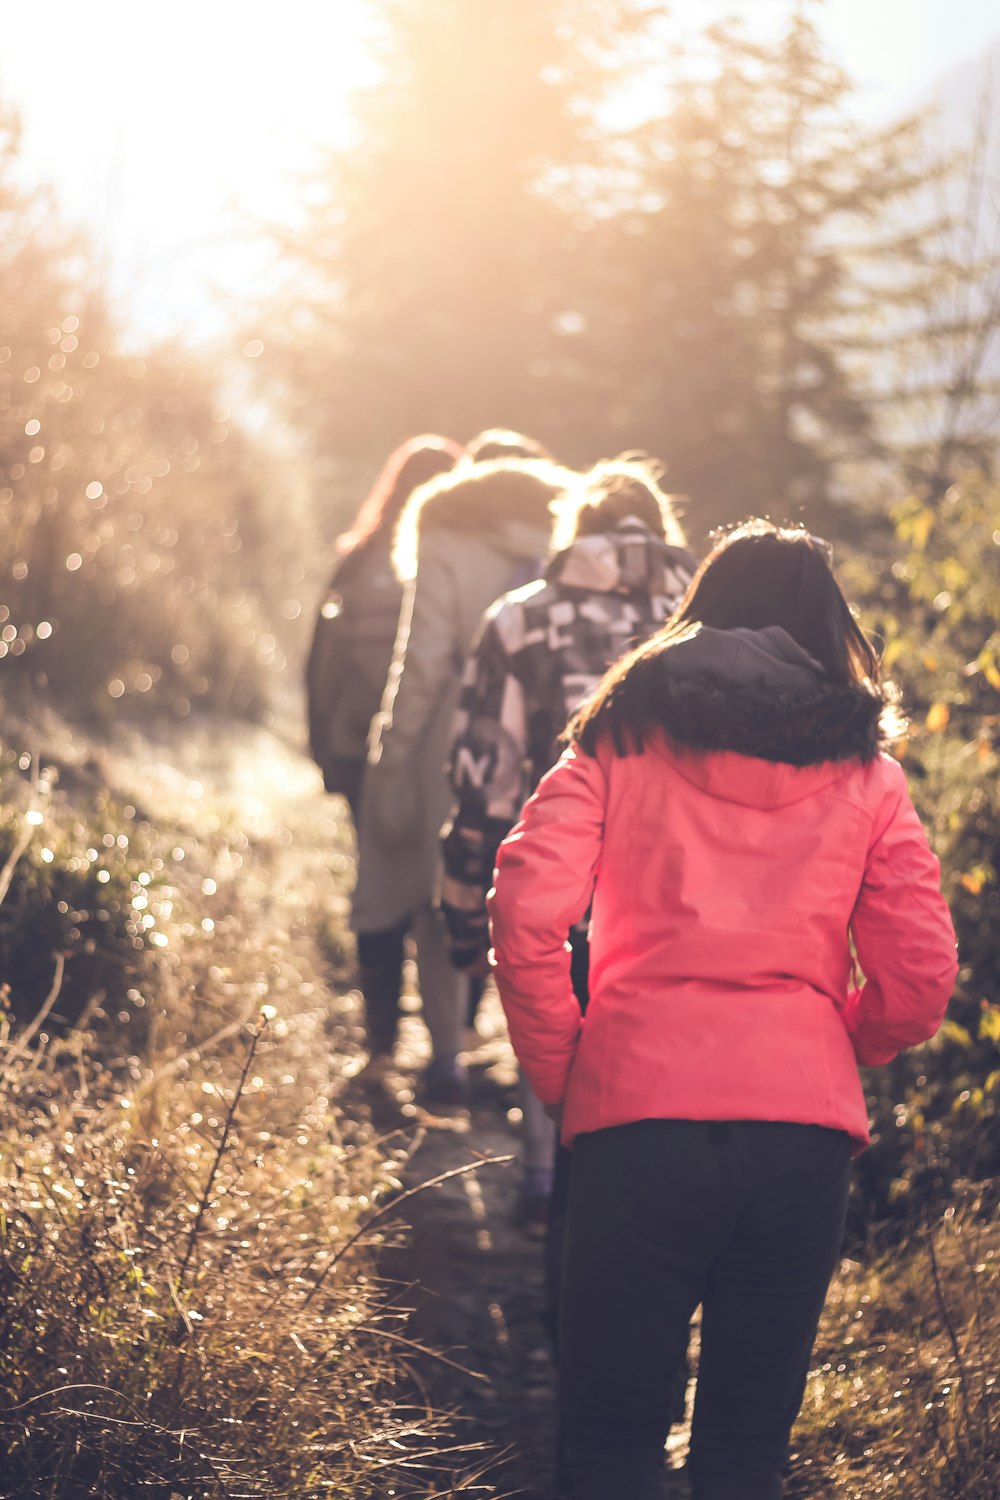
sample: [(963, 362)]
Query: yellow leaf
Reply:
[(930, 661), (921, 527), (956, 1033), (973, 881), (989, 1022), (937, 717)]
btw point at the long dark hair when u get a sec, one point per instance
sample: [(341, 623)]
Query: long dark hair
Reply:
[(755, 576), (410, 465)]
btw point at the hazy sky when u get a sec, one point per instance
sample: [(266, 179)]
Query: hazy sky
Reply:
[(895, 47), (167, 129)]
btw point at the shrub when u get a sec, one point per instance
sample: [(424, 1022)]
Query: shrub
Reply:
[(148, 558), (937, 607), (182, 1310)]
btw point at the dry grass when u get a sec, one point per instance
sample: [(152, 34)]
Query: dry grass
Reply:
[(191, 1306), (902, 1398)]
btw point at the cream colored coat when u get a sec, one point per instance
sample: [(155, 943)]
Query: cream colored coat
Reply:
[(463, 540)]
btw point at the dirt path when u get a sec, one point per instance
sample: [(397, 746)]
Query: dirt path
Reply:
[(478, 1296)]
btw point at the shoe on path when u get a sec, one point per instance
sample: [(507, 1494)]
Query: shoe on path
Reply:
[(446, 1082)]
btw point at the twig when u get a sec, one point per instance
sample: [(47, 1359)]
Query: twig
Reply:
[(946, 1318), (453, 1364), (258, 1032), (86, 1015), (394, 1203), (7, 873), (21, 1044), (108, 1390), (193, 1054)]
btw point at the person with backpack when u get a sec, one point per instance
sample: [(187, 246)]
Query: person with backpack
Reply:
[(462, 539), (619, 567), (727, 807), (346, 672)]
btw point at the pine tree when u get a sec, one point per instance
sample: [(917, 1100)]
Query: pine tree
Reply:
[(747, 261), (940, 416), (430, 279)]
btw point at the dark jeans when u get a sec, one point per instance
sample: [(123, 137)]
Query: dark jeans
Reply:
[(555, 1228), (745, 1218)]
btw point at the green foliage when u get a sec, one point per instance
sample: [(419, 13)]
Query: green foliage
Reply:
[(430, 279), (937, 608), (737, 277)]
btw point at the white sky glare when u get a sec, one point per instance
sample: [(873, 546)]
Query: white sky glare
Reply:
[(168, 130)]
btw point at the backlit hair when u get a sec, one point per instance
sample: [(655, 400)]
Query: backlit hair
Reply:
[(407, 467), (610, 493)]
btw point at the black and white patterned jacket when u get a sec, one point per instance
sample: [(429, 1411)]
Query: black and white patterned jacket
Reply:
[(540, 651)]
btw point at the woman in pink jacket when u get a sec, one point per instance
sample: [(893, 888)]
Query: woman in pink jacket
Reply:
[(725, 804)]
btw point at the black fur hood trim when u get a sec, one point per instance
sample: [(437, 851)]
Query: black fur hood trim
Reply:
[(797, 728), (757, 692)]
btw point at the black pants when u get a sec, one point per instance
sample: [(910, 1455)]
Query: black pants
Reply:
[(555, 1228), (745, 1218)]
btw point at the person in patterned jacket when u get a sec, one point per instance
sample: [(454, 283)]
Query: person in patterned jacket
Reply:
[(619, 568)]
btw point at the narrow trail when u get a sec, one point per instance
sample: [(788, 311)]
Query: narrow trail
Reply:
[(477, 1290)]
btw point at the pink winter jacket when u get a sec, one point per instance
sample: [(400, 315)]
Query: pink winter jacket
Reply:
[(725, 889)]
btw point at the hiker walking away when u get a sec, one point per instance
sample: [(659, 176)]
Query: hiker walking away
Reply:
[(620, 566), (725, 799), (460, 542), (345, 677)]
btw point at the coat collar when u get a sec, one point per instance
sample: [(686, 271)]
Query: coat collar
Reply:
[(506, 502)]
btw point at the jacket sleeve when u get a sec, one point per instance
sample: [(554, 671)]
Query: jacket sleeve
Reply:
[(903, 934), (487, 770), (425, 664), (544, 883)]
